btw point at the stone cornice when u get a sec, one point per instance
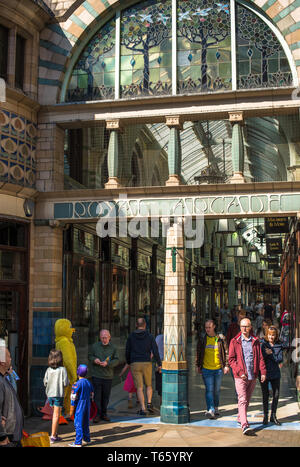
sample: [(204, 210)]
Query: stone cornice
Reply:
[(180, 190), (262, 102)]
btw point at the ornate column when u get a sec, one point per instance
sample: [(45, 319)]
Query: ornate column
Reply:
[(174, 151), (113, 155), (237, 147), (175, 407)]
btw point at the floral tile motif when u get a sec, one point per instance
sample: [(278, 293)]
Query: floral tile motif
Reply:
[(17, 149)]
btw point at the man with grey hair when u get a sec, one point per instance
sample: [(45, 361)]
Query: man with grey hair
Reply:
[(11, 413), (247, 362), (103, 358)]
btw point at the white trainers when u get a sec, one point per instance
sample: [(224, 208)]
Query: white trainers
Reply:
[(210, 414)]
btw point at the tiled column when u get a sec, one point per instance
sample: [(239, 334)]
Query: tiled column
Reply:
[(174, 407), (113, 156), (174, 151), (237, 147)]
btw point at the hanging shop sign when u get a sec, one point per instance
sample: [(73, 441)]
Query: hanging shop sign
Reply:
[(273, 263), (277, 273), (274, 246), (274, 225)]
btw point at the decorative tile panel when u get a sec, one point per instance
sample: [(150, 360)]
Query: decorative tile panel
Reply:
[(17, 149)]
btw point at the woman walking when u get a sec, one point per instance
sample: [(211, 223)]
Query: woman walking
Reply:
[(212, 362), (272, 350)]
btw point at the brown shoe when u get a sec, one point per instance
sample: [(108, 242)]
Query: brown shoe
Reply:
[(105, 418), (96, 419)]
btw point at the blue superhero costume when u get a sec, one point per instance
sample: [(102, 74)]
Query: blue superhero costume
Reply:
[(81, 395)]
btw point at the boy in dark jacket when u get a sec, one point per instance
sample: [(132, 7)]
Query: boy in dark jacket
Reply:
[(140, 347)]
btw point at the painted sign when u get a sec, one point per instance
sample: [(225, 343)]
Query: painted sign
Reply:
[(274, 246), (241, 204), (275, 225)]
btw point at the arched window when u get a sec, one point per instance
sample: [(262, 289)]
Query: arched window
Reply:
[(175, 47)]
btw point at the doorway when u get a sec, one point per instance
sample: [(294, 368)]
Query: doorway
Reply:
[(13, 329)]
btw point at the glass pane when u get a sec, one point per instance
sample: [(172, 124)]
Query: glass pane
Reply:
[(146, 31), (89, 78), (144, 297), (120, 309), (203, 44), (12, 265), (258, 45), (3, 51), (20, 54), (12, 234)]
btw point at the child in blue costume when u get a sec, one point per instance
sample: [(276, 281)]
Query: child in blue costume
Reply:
[(81, 395)]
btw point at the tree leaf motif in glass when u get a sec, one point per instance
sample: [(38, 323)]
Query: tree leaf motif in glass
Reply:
[(146, 31), (203, 26), (261, 61), (94, 73)]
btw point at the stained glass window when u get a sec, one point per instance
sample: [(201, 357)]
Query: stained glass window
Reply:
[(146, 50), (205, 52), (261, 61), (203, 44), (93, 77)]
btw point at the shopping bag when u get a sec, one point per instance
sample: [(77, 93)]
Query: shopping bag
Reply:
[(36, 440)]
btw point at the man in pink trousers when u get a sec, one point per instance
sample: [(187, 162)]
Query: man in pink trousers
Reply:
[(246, 361)]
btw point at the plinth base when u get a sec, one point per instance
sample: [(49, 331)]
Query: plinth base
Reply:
[(113, 182), (173, 180), (174, 408), (237, 177)]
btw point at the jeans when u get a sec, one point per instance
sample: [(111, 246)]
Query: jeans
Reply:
[(212, 380), (102, 388), (275, 383)]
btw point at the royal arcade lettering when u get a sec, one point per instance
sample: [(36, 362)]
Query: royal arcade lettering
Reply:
[(126, 207)]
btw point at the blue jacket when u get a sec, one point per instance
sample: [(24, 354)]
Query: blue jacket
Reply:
[(139, 346), (272, 361)]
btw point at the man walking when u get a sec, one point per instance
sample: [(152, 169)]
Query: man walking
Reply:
[(139, 347), (211, 362), (103, 358), (11, 413), (246, 361)]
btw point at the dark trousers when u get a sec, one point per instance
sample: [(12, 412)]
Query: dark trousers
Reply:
[(275, 383), (102, 389)]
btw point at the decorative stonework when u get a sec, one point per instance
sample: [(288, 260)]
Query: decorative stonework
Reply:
[(17, 149)]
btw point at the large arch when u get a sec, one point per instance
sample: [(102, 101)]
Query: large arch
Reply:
[(60, 40)]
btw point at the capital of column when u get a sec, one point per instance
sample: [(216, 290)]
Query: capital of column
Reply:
[(236, 117), (174, 121), (114, 124)]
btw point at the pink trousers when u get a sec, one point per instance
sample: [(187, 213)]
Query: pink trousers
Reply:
[(244, 391)]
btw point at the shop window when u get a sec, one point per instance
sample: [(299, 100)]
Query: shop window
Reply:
[(3, 51), (12, 266), (120, 314), (12, 234), (20, 61)]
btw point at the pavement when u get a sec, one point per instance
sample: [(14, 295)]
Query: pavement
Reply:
[(128, 430)]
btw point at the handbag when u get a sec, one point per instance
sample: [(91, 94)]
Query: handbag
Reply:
[(35, 440)]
